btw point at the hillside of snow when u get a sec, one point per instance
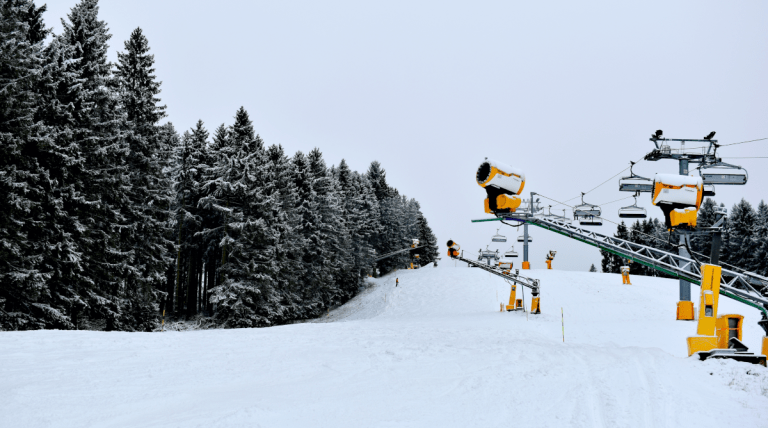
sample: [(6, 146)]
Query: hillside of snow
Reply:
[(434, 351)]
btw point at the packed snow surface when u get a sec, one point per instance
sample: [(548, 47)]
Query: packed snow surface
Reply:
[(433, 352)]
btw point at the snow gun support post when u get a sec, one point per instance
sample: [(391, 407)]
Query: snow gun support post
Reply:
[(515, 304), (625, 275), (718, 337), (535, 303)]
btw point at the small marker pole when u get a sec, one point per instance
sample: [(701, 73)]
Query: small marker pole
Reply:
[(562, 320), (162, 329)]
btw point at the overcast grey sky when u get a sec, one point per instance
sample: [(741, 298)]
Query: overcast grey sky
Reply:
[(568, 91)]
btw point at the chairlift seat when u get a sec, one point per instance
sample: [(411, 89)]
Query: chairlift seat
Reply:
[(635, 184), (591, 221), (709, 190), (521, 238), (737, 177), (633, 212)]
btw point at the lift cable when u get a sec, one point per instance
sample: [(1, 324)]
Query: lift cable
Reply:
[(659, 239), (594, 188)]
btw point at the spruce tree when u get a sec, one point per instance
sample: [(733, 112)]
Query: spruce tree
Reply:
[(25, 236), (149, 191)]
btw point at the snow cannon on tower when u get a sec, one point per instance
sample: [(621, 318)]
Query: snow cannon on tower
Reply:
[(453, 249), (679, 197), (502, 184), (550, 257)]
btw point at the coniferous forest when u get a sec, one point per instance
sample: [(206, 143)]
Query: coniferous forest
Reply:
[(111, 216)]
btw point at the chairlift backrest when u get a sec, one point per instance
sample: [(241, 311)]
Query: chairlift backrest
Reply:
[(724, 174)]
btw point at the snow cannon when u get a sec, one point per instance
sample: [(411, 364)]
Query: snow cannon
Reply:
[(502, 184), (550, 257), (679, 197), (453, 249)]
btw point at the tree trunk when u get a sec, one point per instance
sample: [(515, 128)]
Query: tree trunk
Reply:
[(191, 286)]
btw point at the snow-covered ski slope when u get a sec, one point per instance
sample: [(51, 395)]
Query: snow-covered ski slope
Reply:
[(433, 352)]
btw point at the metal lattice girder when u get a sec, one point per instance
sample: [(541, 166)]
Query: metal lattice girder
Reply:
[(743, 286), (531, 283), (746, 287), (395, 253)]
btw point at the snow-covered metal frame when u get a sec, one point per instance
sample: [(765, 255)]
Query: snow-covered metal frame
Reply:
[(531, 283), (394, 253), (742, 286)]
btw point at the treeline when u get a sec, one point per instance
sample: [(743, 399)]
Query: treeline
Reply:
[(110, 217), (744, 239)]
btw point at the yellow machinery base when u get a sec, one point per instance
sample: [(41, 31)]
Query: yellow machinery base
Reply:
[(535, 308), (518, 306), (765, 346), (526, 265), (685, 311), (701, 343)]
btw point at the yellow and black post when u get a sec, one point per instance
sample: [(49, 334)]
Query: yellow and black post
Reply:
[(710, 293)]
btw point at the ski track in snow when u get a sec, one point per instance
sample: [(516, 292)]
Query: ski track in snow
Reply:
[(434, 351)]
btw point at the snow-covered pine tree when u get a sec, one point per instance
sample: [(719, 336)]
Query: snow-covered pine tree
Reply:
[(25, 236), (428, 240), (593, 268), (336, 277), (97, 200), (742, 222), (246, 296), (190, 157), (759, 262), (149, 191)]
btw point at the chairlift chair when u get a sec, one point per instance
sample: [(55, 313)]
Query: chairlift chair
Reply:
[(591, 221), (723, 173), (521, 238), (633, 211), (709, 190), (498, 237), (510, 253), (635, 183), (587, 214)]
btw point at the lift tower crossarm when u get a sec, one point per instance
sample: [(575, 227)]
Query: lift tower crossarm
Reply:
[(531, 283), (742, 286)]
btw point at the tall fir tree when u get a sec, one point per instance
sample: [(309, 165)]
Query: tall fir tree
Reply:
[(149, 188)]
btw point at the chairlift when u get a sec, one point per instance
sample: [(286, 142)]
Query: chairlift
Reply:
[(635, 183), (521, 238), (498, 237), (591, 221), (585, 210), (723, 173), (633, 211), (510, 253), (709, 190)]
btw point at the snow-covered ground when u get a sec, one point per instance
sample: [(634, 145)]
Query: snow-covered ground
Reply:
[(433, 352)]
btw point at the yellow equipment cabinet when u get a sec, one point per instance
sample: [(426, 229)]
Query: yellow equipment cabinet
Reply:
[(710, 293), (710, 289), (512, 299), (701, 344), (728, 326), (519, 303), (765, 346), (685, 311), (526, 265), (535, 305)]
